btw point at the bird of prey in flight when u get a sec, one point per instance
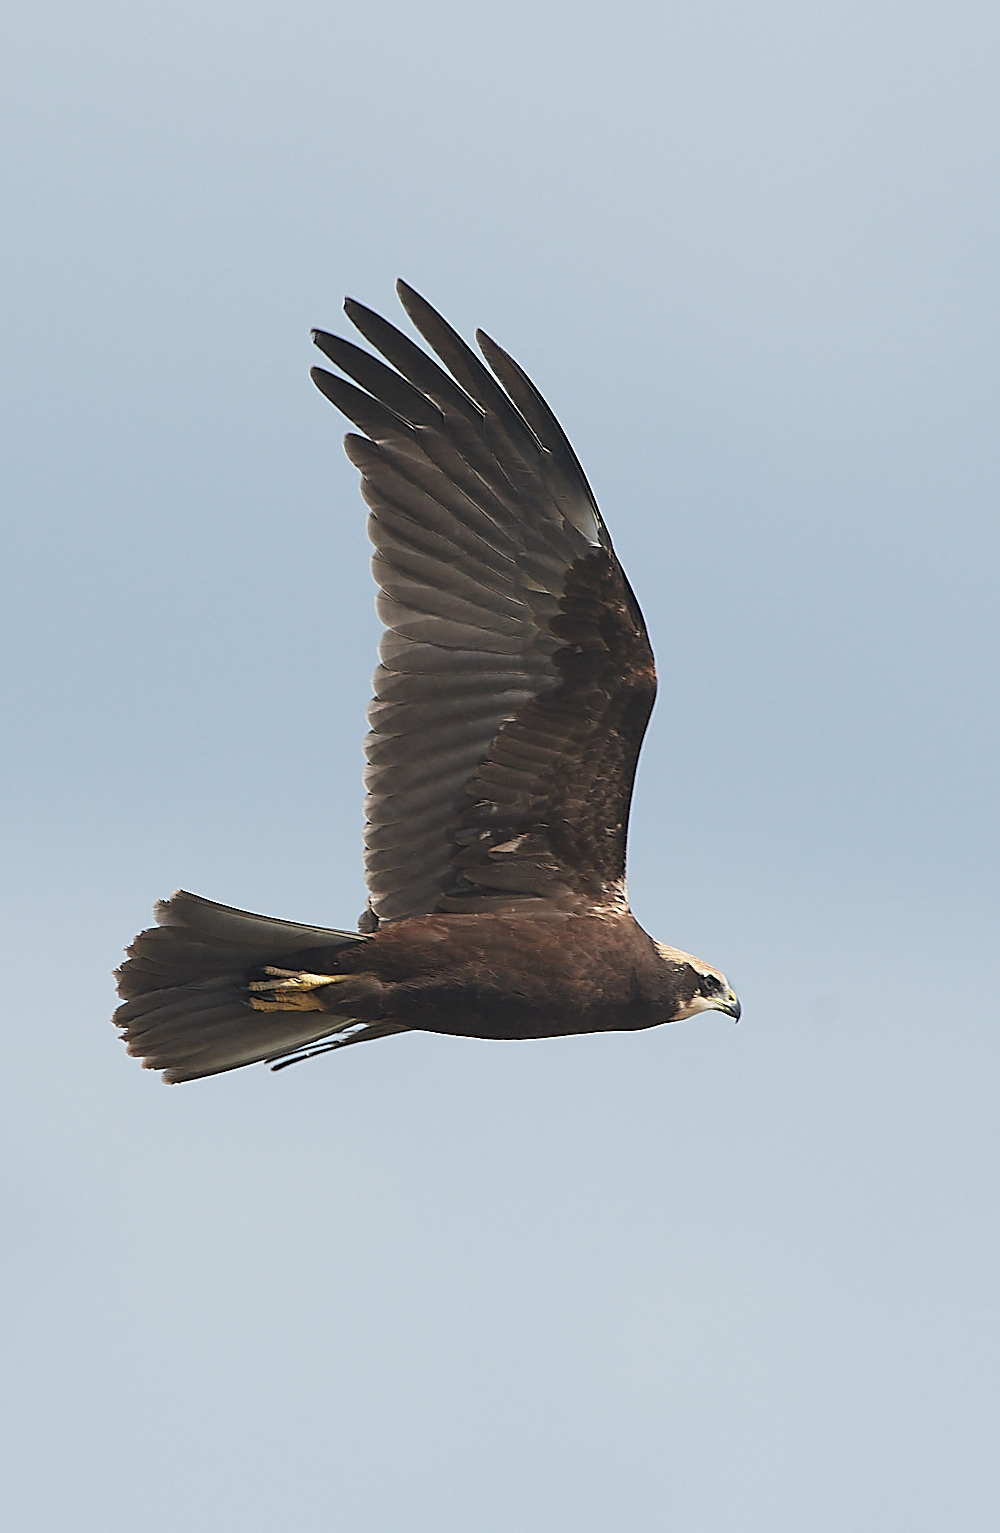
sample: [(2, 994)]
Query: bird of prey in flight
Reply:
[(514, 684)]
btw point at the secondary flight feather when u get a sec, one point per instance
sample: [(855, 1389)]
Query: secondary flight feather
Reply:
[(514, 685)]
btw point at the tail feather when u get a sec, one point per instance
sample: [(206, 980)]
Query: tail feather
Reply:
[(185, 1009), (192, 935), (206, 1028)]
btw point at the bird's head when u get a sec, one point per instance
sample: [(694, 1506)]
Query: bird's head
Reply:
[(697, 986)]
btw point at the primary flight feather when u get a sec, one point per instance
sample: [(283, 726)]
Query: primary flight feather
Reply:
[(514, 685)]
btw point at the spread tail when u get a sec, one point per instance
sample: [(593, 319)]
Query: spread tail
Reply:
[(186, 1006)]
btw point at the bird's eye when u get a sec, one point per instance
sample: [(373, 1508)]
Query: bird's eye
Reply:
[(710, 985)]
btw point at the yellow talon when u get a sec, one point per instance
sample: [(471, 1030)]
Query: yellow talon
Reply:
[(289, 990)]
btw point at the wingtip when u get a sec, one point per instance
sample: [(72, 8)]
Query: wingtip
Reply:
[(319, 377), (488, 345), (414, 303)]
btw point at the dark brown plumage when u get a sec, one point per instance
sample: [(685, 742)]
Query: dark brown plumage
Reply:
[(514, 686)]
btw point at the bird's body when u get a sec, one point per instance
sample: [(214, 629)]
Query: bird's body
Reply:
[(506, 975), (513, 691)]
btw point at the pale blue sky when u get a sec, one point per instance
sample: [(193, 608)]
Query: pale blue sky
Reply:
[(706, 1279)]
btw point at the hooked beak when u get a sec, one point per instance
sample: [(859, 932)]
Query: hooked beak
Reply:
[(730, 1004)]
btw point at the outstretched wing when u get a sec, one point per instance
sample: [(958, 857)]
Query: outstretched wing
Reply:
[(515, 677)]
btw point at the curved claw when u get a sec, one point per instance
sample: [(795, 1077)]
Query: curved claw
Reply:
[(289, 990)]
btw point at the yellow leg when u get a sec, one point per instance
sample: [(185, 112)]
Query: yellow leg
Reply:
[(290, 990)]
